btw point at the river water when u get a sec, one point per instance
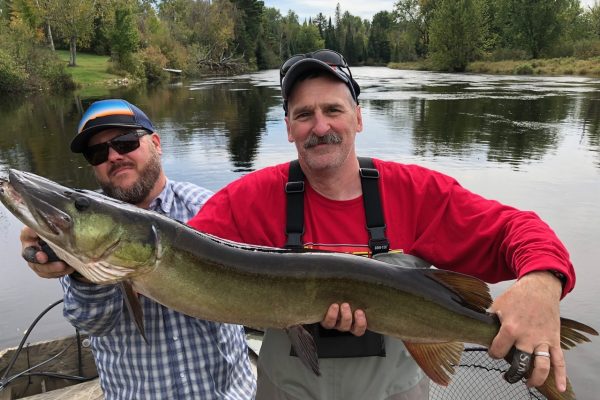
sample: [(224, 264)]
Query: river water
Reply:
[(531, 142)]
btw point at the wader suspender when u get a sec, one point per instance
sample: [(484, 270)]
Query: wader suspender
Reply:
[(369, 178), (294, 189), (331, 343)]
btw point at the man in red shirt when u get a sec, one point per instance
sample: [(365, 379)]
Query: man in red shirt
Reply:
[(427, 214)]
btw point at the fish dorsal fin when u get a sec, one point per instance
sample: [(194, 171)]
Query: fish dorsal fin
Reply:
[(304, 346), (474, 292), (437, 360)]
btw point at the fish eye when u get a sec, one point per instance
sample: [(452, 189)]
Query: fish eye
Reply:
[(82, 203)]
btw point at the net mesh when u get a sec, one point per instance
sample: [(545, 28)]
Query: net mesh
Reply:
[(478, 376)]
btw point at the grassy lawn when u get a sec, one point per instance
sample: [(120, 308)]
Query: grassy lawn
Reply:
[(90, 70)]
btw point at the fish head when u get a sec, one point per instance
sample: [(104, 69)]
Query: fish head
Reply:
[(104, 239)]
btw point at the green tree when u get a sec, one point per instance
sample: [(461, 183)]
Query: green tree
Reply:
[(331, 41), (269, 55), (353, 38), (289, 35), (247, 27), (380, 46), (309, 39), (123, 35), (74, 19), (595, 19), (320, 22), (456, 34), (414, 17), (533, 25)]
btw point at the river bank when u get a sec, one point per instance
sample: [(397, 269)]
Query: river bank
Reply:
[(543, 67)]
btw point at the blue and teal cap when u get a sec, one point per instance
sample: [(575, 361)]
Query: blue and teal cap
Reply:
[(105, 114)]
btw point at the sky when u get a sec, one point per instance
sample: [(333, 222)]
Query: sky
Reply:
[(360, 8)]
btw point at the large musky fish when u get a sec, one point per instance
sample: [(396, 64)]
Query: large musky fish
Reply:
[(433, 311)]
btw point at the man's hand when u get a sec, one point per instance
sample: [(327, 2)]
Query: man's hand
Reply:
[(42, 268), (340, 318), (530, 317)]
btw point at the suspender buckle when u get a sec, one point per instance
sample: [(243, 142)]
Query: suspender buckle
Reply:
[(378, 243), (369, 173), (294, 187)]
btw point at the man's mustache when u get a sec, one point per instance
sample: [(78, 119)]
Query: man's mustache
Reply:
[(328, 138), (116, 166)]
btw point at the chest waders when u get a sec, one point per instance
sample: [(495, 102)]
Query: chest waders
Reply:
[(332, 343)]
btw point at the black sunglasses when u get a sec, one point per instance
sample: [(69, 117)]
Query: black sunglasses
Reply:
[(122, 144), (330, 57)]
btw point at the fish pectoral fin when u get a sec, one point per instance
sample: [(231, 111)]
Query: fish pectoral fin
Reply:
[(437, 360), (132, 302), (304, 346)]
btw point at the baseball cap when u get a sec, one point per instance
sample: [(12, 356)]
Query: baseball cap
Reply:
[(325, 60), (105, 114)]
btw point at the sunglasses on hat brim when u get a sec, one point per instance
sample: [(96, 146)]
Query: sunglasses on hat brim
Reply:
[(333, 58)]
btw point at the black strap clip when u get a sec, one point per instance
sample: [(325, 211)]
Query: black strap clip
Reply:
[(378, 243), (369, 173), (294, 187)]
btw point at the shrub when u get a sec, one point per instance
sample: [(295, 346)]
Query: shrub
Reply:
[(154, 61), (587, 49), (524, 69), (507, 54), (26, 63), (12, 76), (560, 50)]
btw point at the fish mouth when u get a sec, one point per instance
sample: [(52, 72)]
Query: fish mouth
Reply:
[(55, 220), (30, 195)]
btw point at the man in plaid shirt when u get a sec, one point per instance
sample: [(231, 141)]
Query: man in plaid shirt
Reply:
[(185, 358)]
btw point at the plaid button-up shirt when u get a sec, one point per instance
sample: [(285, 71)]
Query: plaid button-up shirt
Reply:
[(186, 358)]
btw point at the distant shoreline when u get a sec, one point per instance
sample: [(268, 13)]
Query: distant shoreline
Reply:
[(567, 66)]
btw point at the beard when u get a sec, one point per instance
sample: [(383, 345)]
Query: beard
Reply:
[(139, 191)]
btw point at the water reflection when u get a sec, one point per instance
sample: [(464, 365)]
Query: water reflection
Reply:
[(498, 119)]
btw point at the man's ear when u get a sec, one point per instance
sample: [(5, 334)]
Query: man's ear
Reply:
[(359, 121), (287, 127), (156, 142)]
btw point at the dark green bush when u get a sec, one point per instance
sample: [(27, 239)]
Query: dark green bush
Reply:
[(524, 69), (587, 49), (12, 76), (154, 61)]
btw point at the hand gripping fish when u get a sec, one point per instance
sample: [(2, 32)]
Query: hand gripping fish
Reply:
[(107, 241)]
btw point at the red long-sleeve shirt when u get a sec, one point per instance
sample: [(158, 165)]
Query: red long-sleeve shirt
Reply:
[(427, 214)]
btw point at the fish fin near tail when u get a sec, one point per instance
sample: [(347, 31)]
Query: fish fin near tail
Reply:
[(437, 360), (550, 392), (304, 346), (475, 293), (570, 333), (134, 307)]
